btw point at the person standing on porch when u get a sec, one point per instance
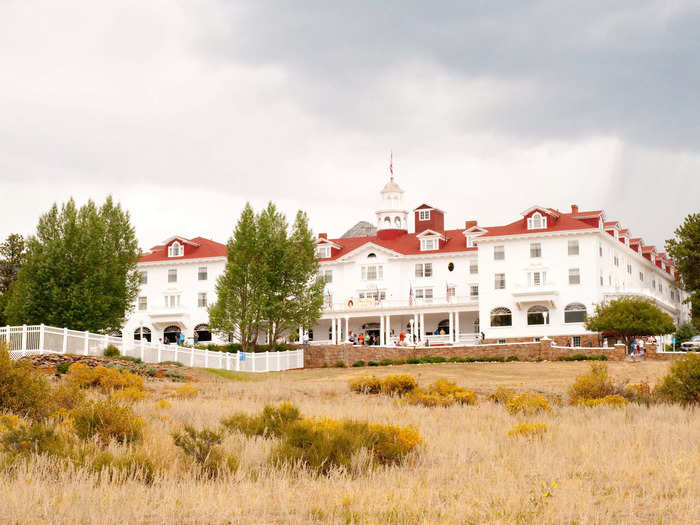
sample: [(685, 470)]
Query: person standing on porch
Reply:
[(195, 337)]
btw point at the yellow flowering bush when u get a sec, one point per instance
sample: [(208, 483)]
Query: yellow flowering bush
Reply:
[(108, 379), (186, 392), (130, 394), (398, 385), (441, 393), (615, 401), (528, 430), (366, 385), (106, 419), (502, 395), (528, 404), (593, 385), (9, 422), (162, 404)]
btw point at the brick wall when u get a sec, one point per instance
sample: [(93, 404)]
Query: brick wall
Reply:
[(559, 340), (327, 355)]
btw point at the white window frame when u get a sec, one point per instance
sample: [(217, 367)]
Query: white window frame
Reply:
[(499, 253), (425, 294), (536, 221), (143, 303), (323, 252), (143, 277), (327, 276), (499, 278), (200, 303), (474, 267), (575, 274), (430, 244), (424, 270), (172, 301), (423, 215), (538, 278), (377, 270), (473, 291), (576, 247), (172, 272), (176, 250), (205, 273), (535, 250)]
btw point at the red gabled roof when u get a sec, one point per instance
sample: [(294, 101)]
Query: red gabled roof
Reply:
[(611, 224), (408, 244), (565, 222), (206, 248)]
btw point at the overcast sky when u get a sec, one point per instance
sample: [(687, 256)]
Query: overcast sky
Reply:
[(185, 110)]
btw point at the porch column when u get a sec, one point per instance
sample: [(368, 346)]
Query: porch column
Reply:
[(456, 327), (382, 331), (422, 326), (450, 328), (415, 326), (387, 325), (334, 339), (339, 330), (347, 328)]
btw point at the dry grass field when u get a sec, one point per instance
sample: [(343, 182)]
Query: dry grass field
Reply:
[(594, 465)]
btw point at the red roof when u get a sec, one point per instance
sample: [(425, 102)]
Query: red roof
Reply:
[(206, 248), (565, 222), (407, 244)]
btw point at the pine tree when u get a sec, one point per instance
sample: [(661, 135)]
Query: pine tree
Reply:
[(79, 270), (685, 251), (11, 257)]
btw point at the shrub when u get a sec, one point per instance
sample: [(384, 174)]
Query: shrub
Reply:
[(465, 397), (399, 362), (130, 395), (372, 363), (615, 401), (144, 370), (9, 422), (107, 420), (441, 393), (412, 361), (366, 385), (682, 384), (66, 396), (270, 422), (502, 395), (186, 392), (593, 385), (512, 358), (203, 446), (37, 438), (398, 385), (528, 430), (174, 363), (23, 389), (639, 393), (162, 404), (111, 351), (132, 359), (358, 363), (62, 368), (325, 444), (386, 362), (583, 357), (528, 404), (339, 364), (175, 376), (131, 465)]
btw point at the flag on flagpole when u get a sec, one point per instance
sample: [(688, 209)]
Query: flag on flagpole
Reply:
[(410, 295), (330, 300), (391, 163)]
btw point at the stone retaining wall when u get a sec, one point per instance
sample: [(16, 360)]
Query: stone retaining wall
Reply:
[(316, 356)]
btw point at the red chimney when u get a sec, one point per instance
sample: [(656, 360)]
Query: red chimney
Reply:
[(574, 208), (469, 224), (323, 236)]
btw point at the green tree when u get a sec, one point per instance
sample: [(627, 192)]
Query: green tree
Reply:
[(79, 270), (685, 332), (11, 257), (270, 284), (684, 248), (630, 317)]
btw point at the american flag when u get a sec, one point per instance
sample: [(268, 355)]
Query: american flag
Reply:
[(410, 295), (330, 300), (391, 163)]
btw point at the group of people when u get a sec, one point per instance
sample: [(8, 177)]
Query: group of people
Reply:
[(180, 338), (637, 347)]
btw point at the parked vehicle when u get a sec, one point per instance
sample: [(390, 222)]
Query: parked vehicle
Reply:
[(693, 345)]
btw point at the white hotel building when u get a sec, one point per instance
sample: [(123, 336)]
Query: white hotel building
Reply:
[(534, 277)]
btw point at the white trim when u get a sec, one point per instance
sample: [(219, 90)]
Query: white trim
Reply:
[(539, 208)]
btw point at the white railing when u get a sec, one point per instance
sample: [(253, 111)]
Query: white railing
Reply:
[(40, 339), (350, 304)]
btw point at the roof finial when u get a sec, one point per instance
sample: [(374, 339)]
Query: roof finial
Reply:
[(391, 164)]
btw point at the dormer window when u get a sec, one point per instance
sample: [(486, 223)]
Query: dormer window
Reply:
[(423, 215), (323, 252), (536, 222), (428, 244), (176, 250)]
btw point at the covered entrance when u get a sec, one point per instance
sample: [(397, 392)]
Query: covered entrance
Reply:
[(170, 334), (203, 333)]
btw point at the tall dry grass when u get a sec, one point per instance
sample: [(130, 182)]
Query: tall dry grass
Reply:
[(594, 465)]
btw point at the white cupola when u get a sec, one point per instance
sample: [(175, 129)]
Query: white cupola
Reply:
[(391, 214)]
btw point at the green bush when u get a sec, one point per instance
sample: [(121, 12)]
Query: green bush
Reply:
[(583, 357), (62, 368), (386, 362), (358, 364), (23, 389), (399, 362), (106, 419), (175, 376), (339, 364), (270, 422), (174, 363), (511, 358), (682, 384), (372, 363), (593, 385), (366, 385), (203, 446), (131, 465), (37, 438), (131, 358), (412, 361), (111, 351)]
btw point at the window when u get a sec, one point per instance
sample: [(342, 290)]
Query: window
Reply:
[(450, 291), (377, 295), (616, 260), (629, 269), (501, 341), (474, 266), (176, 250), (143, 303), (535, 249), (536, 222), (202, 273), (498, 253), (424, 270), (537, 278), (661, 287), (327, 276), (574, 313), (426, 294), (142, 332), (428, 244), (143, 277), (202, 300), (600, 250), (372, 272), (172, 301), (653, 284), (474, 291), (536, 339), (172, 275), (371, 255), (450, 267), (423, 215), (501, 317), (323, 252), (576, 341), (601, 280), (574, 276), (537, 315), (573, 247), (500, 281)]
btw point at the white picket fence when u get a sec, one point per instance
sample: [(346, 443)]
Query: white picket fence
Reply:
[(40, 339)]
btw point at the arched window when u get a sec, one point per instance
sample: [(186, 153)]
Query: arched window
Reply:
[(171, 333), (371, 255), (203, 333), (387, 221), (536, 221), (176, 250), (397, 222), (574, 313), (501, 317), (142, 330), (537, 315)]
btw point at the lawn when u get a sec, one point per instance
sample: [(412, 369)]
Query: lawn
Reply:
[(594, 465)]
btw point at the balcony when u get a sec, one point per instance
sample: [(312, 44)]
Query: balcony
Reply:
[(177, 312), (529, 294), (355, 304)]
